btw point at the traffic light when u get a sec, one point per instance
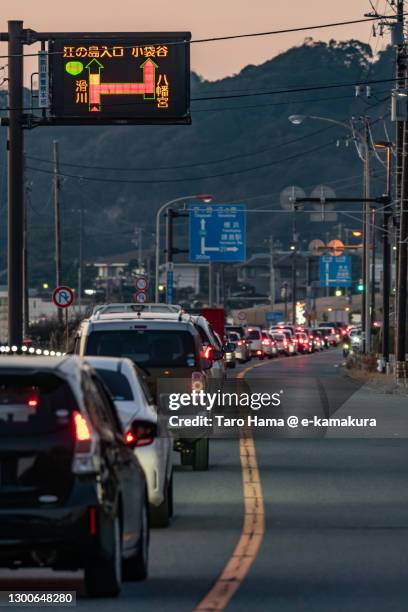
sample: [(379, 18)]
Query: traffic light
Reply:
[(338, 293), (360, 287)]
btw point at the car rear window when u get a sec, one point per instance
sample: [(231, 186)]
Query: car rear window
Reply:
[(254, 334), (117, 384), (147, 347), (279, 337), (32, 404)]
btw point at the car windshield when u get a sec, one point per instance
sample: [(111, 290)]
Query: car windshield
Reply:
[(147, 347), (32, 404), (117, 384)]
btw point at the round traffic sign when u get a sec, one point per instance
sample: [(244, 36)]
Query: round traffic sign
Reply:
[(336, 247), (316, 247), (63, 296), (141, 297), (241, 316), (141, 283)]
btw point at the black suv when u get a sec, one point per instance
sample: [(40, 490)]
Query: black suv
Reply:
[(72, 493)]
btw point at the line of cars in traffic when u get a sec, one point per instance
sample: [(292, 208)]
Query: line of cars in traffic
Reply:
[(281, 339), (86, 461)]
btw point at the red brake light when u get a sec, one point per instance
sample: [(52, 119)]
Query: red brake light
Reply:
[(92, 521), (82, 431), (130, 437), (208, 351), (266, 341), (32, 403), (239, 343)]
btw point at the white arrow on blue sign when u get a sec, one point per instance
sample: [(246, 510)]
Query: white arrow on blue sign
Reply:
[(335, 271), (217, 232)]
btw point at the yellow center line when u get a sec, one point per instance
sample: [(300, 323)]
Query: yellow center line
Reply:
[(253, 528)]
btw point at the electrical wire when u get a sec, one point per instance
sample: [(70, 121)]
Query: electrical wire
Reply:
[(229, 37), (187, 179), (179, 166)]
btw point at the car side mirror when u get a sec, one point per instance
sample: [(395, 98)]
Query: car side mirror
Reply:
[(141, 433)]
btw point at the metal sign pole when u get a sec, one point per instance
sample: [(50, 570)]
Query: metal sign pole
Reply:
[(15, 184)]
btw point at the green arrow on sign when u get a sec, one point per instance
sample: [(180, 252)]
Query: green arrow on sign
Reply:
[(150, 62), (94, 67)]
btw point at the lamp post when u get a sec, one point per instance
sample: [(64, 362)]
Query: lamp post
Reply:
[(364, 142), (201, 198)]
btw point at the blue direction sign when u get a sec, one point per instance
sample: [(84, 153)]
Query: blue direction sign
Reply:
[(335, 271), (218, 232)]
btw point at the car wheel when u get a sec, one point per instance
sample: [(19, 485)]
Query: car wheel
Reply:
[(136, 567), (103, 576), (201, 455), (186, 457), (160, 515)]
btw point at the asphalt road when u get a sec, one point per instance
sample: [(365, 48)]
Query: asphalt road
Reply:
[(336, 520)]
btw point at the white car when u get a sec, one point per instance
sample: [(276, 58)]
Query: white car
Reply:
[(133, 400), (255, 337)]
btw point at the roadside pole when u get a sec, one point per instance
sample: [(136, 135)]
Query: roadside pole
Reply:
[(272, 271), (57, 223), (367, 240), (15, 184), (401, 331)]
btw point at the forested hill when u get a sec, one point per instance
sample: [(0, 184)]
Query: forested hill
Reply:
[(239, 148)]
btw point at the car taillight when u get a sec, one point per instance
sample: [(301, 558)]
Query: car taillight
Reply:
[(92, 521), (285, 343), (300, 340), (143, 433), (266, 341), (32, 402), (258, 352), (239, 343), (197, 381), (86, 458), (82, 431), (207, 351), (326, 337)]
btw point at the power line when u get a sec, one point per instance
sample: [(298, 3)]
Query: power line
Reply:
[(233, 36), (187, 179), (179, 166), (296, 90), (250, 95)]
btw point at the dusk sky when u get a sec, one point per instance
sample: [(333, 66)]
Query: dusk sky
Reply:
[(203, 19)]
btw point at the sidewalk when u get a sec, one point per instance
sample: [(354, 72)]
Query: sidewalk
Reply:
[(374, 401)]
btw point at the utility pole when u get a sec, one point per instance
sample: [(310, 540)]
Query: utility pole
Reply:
[(272, 280), (57, 224), (294, 267), (401, 332), (402, 195), (15, 184), (366, 241), (373, 271), (81, 254), (26, 282)]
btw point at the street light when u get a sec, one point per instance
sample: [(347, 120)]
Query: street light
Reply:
[(201, 198)]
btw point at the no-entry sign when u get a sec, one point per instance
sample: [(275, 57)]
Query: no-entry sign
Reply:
[(63, 297)]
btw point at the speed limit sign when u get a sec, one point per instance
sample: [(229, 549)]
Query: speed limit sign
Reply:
[(141, 283)]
